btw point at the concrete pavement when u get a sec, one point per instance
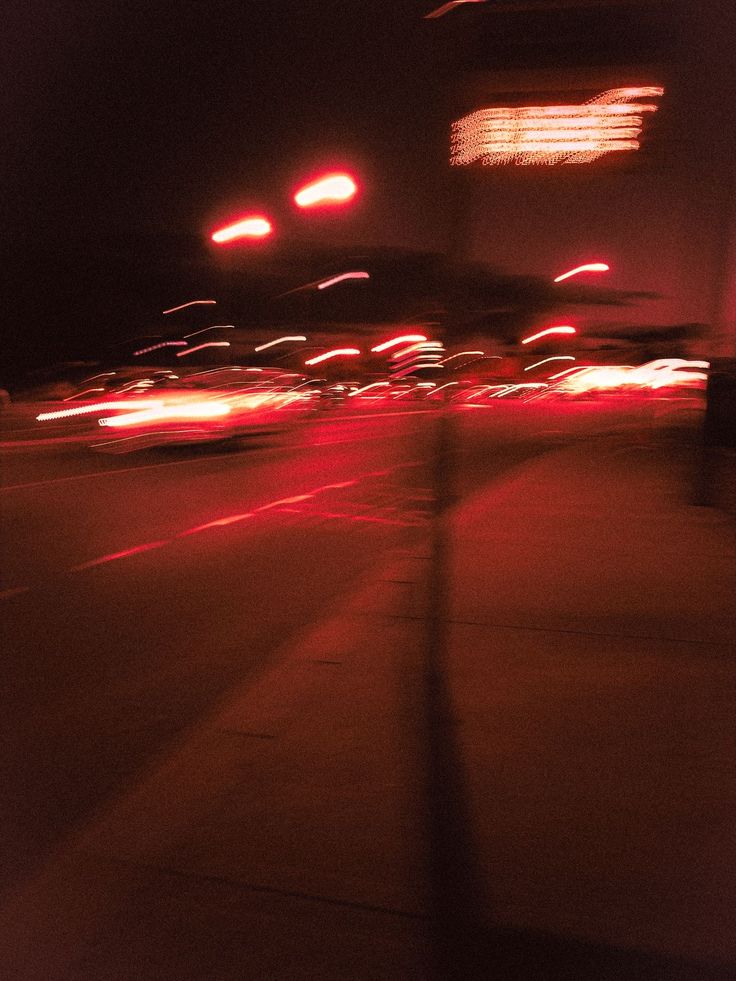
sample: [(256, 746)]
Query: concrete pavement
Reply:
[(566, 813)]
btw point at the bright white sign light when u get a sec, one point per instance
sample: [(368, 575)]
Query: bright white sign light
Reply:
[(612, 121)]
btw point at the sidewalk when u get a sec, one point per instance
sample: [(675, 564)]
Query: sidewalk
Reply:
[(591, 675)]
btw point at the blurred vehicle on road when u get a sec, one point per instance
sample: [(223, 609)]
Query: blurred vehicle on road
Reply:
[(122, 411)]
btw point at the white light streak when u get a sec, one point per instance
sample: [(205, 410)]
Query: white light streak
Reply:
[(343, 276), (404, 339), (559, 357), (338, 352), (562, 329), (588, 267), (280, 340), (191, 303), (155, 347), (199, 347)]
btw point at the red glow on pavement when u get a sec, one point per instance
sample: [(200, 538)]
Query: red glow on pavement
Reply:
[(191, 303), (343, 276), (330, 189), (199, 347), (279, 340), (118, 555), (254, 226), (402, 339), (562, 329), (217, 523), (336, 353), (566, 134), (447, 7), (588, 267)]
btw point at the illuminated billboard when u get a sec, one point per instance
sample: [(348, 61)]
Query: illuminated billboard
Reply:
[(611, 122)]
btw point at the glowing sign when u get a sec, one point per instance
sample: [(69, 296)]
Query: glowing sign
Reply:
[(612, 121)]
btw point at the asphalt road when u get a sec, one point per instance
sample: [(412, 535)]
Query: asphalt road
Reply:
[(138, 590)]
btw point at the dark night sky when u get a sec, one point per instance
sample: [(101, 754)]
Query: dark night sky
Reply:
[(128, 126), (174, 112)]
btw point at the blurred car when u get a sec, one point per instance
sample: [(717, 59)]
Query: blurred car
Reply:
[(133, 411)]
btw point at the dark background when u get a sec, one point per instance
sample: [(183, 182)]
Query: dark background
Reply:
[(132, 130)]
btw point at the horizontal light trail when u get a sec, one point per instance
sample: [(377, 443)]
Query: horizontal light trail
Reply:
[(124, 554), (558, 357), (217, 523), (280, 340), (192, 410), (200, 347), (461, 354), (332, 188), (191, 303), (100, 407), (254, 226), (155, 347), (403, 339), (562, 329), (14, 591), (326, 283), (338, 352), (213, 327), (587, 267)]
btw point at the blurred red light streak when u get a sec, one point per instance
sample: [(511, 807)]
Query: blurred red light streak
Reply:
[(588, 267), (403, 339), (199, 347), (254, 226), (191, 303), (558, 357), (119, 555), (155, 347), (332, 188), (343, 276), (562, 329), (99, 407), (213, 327), (279, 340), (337, 352)]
